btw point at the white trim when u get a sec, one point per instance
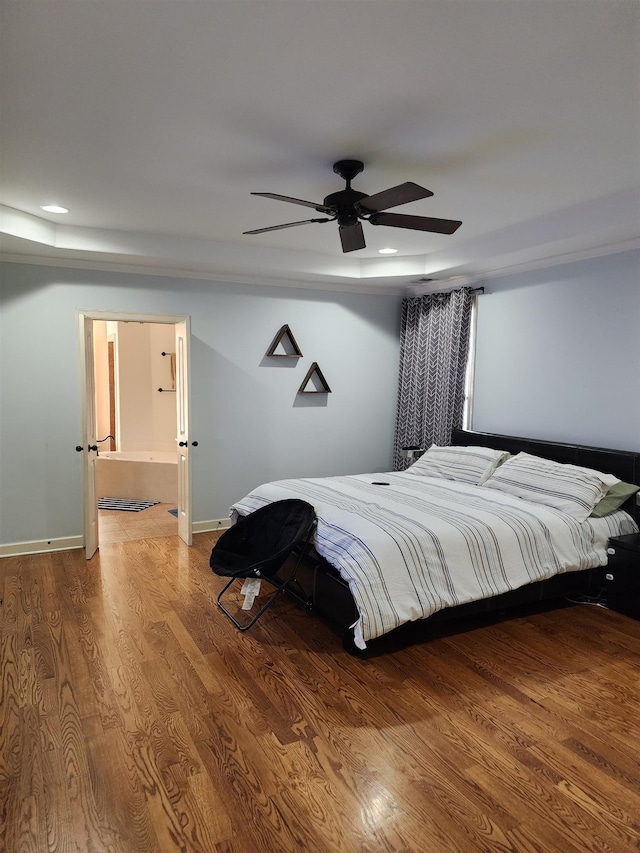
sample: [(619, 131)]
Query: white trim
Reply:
[(401, 285), (308, 282), (442, 285), (566, 258), (70, 543), (211, 526), (41, 546), (134, 316)]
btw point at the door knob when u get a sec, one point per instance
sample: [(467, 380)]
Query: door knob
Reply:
[(92, 447), (79, 448), (183, 443), (194, 443)]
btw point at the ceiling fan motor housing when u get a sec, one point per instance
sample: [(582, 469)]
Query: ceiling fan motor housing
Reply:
[(344, 203)]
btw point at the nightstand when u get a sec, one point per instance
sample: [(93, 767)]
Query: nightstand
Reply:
[(622, 574)]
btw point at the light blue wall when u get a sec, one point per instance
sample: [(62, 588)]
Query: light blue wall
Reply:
[(558, 353), (558, 357), (250, 424)]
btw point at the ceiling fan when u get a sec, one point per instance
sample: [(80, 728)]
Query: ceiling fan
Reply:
[(350, 206)]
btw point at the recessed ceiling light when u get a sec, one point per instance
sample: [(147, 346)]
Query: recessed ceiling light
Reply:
[(54, 208), (387, 251)]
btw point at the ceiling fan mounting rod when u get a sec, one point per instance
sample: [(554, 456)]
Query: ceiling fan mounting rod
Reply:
[(348, 169)]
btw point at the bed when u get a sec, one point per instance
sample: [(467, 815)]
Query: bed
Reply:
[(424, 545)]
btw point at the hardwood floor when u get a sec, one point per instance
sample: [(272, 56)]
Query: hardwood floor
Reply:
[(151, 523), (135, 718)]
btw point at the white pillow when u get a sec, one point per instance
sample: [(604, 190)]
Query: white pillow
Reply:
[(463, 464), (569, 488)]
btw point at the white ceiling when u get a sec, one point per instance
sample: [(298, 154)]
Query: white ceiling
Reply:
[(154, 120)]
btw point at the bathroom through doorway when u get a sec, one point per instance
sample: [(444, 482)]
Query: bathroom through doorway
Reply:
[(135, 414)]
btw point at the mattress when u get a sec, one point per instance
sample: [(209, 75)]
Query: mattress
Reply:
[(410, 546)]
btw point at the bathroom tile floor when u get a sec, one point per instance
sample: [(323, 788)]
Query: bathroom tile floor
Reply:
[(116, 526)]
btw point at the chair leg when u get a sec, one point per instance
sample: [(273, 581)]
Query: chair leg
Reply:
[(302, 596), (254, 619), (281, 587)]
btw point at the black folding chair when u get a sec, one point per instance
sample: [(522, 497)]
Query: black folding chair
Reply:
[(258, 545)]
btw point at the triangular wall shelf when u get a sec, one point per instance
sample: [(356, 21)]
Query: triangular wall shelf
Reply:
[(316, 377), (287, 344)]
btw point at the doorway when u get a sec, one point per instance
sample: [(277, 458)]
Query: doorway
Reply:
[(144, 444), (136, 425)]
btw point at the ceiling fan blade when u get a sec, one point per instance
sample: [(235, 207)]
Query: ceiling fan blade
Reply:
[(402, 194), (286, 225), (416, 223), (352, 237), (320, 207)]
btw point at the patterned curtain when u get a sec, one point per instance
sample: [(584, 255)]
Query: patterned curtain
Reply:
[(434, 346)]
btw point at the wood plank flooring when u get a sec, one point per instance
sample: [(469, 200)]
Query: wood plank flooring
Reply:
[(135, 718), (151, 523)]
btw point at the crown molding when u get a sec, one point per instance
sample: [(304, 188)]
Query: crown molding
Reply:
[(383, 288), (442, 285)]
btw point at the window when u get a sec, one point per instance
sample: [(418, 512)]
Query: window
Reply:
[(467, 409)]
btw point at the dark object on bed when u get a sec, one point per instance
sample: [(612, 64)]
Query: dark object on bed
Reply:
[(258, 545), (332, 599)]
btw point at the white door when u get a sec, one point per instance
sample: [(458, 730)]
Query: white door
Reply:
[(90, 448), (183, 439), (88, 410)]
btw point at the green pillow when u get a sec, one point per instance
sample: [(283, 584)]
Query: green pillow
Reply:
[(614, 499)]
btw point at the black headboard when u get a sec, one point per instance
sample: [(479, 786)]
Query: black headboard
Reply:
[(624, 464)]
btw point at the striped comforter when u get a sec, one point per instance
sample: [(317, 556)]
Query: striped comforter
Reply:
[(419, 544)]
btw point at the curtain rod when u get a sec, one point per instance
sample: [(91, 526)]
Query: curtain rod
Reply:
[(417, 292)]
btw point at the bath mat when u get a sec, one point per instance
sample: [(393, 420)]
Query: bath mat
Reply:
[(124, 504), (174, 512)]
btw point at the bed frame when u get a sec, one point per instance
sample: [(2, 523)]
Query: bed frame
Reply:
[(330, 598)]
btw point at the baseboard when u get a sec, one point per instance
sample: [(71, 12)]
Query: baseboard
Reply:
[(210, 526), (68, 543), (41, 546)]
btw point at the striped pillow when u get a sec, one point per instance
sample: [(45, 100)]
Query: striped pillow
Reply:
[(463, 464), (568, 488)]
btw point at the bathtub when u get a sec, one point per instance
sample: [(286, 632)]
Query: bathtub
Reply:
[(145, 475)]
